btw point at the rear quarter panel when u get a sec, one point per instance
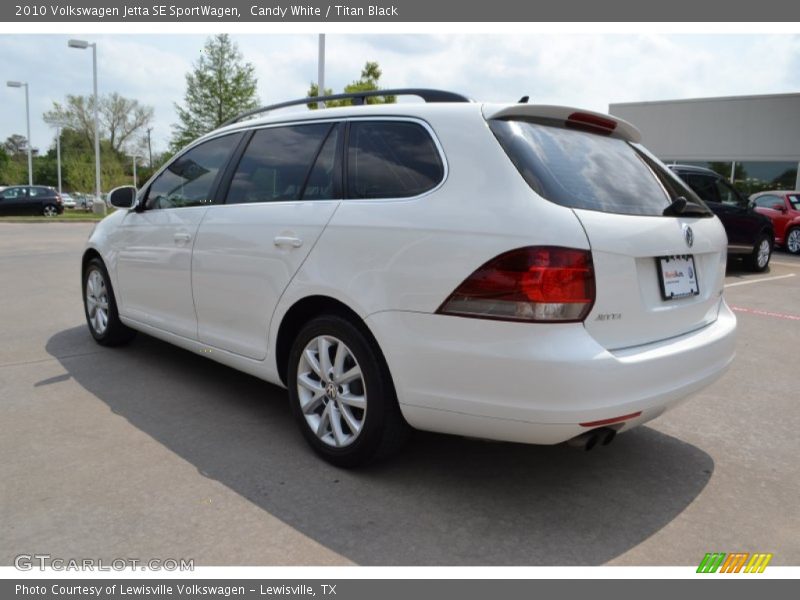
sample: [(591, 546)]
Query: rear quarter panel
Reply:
[(411, 254)]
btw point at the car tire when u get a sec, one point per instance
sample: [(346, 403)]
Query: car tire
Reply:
[(759, 258), (793, 240), (50, 210), (100, 307), (342, 395)]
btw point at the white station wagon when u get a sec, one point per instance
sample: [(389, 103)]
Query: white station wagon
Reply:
[(512, 272)]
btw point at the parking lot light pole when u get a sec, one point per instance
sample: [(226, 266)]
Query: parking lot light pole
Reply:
[(18, 84), (58, 156), (149, 149), (321, 68), (134, 157), (83, 45)]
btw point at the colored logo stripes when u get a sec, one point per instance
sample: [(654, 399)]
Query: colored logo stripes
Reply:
[(735, 562)]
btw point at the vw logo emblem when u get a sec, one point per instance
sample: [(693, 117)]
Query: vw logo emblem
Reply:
[(688, 235), (331, 391)]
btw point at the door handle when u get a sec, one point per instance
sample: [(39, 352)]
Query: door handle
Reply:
[(283, 240), (182, 237)]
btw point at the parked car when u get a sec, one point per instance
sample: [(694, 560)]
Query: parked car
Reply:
[(84, 201), (783, 209), (68, 201), (751, 236), (513, 272), (30, 200)]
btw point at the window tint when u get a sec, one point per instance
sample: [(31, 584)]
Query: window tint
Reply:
[(795, 201), (189, 180), (321, 181), (16, 192), (704, 186), (40, 191), (389, 159), (585, 170), (768, 201), (727, 193), (276, 163)]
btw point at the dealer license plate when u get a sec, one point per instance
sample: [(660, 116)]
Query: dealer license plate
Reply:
[(678, 277)]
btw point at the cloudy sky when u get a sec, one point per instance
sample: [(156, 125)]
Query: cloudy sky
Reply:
[(588, 71)]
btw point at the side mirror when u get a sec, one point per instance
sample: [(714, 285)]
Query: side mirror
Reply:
[(122, 197)]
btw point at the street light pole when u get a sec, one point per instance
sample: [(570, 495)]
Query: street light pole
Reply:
[(98, 192), (82, 45), (58, 156), (17, 84), (149, 149), (134, 170), (321, 69)]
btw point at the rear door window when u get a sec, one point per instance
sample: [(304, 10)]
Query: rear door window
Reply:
[(705, 186), (585, 170), (391, 159), (278, 162)]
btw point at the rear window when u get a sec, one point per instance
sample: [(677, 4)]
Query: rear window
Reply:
[(795, 201), (391, 159), (585, 170)]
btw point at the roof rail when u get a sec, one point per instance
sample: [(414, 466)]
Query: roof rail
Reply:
[(358, 99)]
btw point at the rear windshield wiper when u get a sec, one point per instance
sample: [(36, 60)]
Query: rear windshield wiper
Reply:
[(681, 206)]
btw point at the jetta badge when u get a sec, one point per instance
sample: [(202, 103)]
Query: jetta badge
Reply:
[(688, 235)]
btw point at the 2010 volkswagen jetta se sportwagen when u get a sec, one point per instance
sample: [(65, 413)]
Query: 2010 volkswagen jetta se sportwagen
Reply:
[(513, 272)]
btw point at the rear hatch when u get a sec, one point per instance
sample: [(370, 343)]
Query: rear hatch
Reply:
[(658, 252)]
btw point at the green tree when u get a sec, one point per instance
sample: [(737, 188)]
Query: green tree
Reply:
[(14, 160), (5, 161), (220, 86), (121, 119), (369, 81), (16, 146)]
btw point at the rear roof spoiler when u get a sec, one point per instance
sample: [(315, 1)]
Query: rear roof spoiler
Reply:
[(587, 119)]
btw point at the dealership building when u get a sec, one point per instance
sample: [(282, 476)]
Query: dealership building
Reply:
[(752, 140)]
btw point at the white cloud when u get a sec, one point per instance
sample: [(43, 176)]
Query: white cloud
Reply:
[(590, 71)]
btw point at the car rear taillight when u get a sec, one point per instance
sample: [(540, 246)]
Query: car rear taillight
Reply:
[(58, 199), (537, 284)]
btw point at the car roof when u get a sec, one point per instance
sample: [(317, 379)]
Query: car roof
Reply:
[(778, 192), (423, 110)]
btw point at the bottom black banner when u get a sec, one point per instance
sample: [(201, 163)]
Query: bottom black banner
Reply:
[(393, 589)]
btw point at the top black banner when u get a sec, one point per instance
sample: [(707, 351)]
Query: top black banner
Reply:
[(399, 11)]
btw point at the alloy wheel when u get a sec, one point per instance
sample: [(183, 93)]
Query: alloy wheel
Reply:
[(97, 301), (50, 211), (793, 241), (763, 254), (332, 392)]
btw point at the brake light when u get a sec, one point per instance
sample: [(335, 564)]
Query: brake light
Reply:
[(590, 122), (536, 284), (58, 199)]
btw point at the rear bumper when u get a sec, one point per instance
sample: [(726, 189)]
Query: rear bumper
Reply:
[(537, 383)]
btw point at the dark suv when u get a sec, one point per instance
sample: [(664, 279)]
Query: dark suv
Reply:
[(30, 200), (750, 234)]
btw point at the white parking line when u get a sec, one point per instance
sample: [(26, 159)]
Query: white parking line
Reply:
[(785, 264), (749, 281)]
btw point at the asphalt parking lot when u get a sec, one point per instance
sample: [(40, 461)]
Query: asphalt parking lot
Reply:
[(149, 451)]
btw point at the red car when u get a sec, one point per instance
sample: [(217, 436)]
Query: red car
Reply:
[(783, 208)]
